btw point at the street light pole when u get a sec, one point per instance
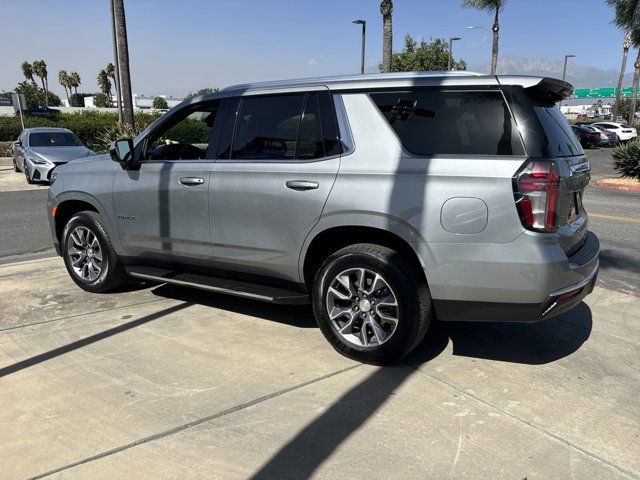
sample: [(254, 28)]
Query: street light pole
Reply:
[(364, 35), (564, 71), (451, 40)]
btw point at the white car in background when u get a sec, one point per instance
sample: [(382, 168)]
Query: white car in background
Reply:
[(622, 130)]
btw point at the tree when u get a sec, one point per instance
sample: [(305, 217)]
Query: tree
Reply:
[(63, 79), (40, 70), (75, 81), (623, 107), (160, 103), (34, 95), (123, 61), (104, 83), (625, 12), (202, 91), (495, 7), (101, 100), (386, 9), (27, 71), (433, 55)]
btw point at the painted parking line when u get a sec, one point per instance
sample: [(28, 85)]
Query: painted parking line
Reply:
[(614, 217)]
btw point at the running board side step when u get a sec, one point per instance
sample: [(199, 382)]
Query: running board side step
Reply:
[(265, 293)]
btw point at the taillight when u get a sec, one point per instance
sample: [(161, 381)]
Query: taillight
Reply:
[(536, 191)]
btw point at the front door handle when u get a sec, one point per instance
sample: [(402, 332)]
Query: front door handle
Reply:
[(302, 185), (190, 181)]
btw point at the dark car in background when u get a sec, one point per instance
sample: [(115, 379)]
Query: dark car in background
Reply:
[(607, 138), (588, 136)]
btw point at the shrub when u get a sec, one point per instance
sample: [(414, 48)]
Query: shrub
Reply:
[(5, 149), (118, 131), (160, 103), (87, 125), (77, 99), (626, 158), (101, 100)]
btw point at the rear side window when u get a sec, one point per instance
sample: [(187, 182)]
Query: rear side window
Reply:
[(561, 140), (451, 122)]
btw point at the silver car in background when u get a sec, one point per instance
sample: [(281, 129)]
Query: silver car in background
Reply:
[(39, 150)]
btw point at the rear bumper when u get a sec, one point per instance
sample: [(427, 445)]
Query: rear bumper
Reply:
[(574, 279)]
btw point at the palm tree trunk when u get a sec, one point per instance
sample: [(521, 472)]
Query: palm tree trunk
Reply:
[(123, 60), (46, 100), (66, 92), (494, 47), (625, 53), (636, 77), (386, 8)]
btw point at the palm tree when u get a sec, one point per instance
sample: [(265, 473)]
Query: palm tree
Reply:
[(625, 14), (123, 61), (104, 83), (40, 70), (386, 9), (27, 71), (63, 79), (495, 7), (75, 81), (110, 69)]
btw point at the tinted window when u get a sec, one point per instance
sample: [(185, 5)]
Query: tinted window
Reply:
[(267, 127), (331, 138), (310, 144), (53, 139), (452, 122), (561, 140)]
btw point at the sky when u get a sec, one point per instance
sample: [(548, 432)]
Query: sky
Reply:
[(177, 46)]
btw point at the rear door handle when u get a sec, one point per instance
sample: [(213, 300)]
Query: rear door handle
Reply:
[(190, 181), (302, 185)]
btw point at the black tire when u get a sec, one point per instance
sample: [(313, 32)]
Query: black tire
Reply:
[(112, 274), (413, 299)]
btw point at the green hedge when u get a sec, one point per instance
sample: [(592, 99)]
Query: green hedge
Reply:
[(87, 125)]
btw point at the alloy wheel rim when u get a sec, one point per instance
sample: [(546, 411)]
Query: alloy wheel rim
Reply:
[(362, 307), (85, 254)]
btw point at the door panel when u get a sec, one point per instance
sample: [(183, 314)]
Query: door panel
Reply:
[(163, 208), (259, 224)]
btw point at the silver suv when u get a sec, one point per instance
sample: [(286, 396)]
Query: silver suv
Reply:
[(387, 201)]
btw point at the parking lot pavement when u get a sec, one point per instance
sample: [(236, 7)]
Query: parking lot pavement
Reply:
[(16, 182), (162, 382)]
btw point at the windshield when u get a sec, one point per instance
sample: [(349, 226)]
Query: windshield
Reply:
[(53, 139)]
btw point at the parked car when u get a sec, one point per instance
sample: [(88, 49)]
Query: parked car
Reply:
[(607, 138), (384, 200), (42, 111), (588, 136), (623, 131), (39, 150)]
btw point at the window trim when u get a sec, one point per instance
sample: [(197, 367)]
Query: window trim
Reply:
[(463, 156)]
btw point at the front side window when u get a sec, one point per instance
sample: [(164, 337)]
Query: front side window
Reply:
[(451, 122), (185, 137), (54, 139)]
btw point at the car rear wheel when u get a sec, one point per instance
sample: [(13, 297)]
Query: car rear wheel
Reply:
[(89, 255), (371, 304)]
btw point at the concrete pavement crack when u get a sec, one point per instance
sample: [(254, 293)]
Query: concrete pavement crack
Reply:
[(194, 423), (558, 438)]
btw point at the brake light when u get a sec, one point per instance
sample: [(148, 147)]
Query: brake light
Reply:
[(536, 192)]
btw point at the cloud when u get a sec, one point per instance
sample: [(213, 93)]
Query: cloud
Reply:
[(312, 61)]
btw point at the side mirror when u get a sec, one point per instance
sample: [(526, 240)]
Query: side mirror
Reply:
[(121, 151), (17, 142)]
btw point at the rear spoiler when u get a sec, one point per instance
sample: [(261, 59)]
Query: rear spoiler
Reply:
[(549, 91)]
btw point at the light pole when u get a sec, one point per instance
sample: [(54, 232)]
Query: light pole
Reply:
[(116, 61), (364, 34), (564, 71), (451, 40)]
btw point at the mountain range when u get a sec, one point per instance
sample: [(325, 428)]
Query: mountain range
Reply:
[(579, 76)]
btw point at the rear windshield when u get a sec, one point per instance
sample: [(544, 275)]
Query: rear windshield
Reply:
[(53, 139), (451, 122), (561, 140)]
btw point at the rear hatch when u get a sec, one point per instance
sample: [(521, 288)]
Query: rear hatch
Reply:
[(550, 142)]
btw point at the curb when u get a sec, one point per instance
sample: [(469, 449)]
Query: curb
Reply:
[(618, 186)]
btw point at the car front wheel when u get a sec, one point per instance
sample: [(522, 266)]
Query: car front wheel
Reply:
[(89, 255), (371, 304)]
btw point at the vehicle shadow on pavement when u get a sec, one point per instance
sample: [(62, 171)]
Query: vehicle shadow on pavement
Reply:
[(295, 315), (527, 343), (512, 342)]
